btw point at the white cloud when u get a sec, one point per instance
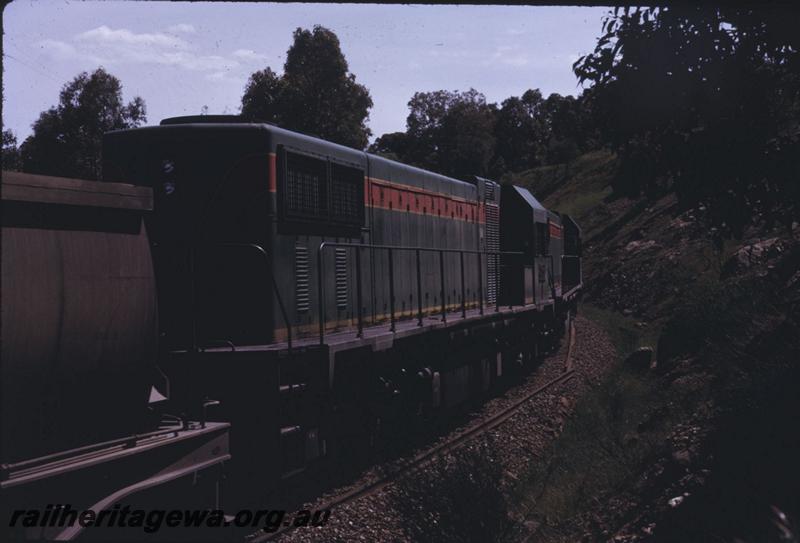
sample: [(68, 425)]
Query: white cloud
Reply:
[(106, 35), (248, 55), (198, 62), (216, 76), (58, 49), (109, 46), (228, 77), (181, 27), (452, 53), (510, 55)]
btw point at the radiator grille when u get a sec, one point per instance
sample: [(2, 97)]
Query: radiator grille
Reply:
[(492, 245), (347, 194), (340, 255), (305, 186), (321, 190), (301, 292)]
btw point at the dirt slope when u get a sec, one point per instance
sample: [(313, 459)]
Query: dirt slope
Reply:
[(700, 445)]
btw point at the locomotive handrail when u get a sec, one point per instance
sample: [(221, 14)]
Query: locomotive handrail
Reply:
[(417, 251), (264, 253)]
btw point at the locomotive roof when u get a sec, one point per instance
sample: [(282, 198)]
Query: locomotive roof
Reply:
[(540, 214), (234, 124)]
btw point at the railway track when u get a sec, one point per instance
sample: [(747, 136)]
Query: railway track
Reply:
[(423, 458)]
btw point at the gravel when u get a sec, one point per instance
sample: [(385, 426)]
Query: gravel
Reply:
[(403, 510)]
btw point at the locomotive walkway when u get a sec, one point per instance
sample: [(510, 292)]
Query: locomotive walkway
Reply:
[(382, 336)]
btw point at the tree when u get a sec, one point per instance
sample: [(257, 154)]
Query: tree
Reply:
[(263, 98), (67, 139), (520, 132), (564, 127), (393, 145), (10, 151), (459, 134), (451, 132), (315, 95), (704, 102), (467, 136)]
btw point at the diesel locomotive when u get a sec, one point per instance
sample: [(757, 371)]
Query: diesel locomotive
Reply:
[(235, 300), (322, 294)]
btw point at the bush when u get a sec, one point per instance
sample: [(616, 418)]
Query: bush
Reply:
[(465, 503)]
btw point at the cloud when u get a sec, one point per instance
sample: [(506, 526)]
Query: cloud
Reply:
[(109, 46), (62, 51), (452, 53), (510, 55), (503, 54), (516, 60), (216, 76), (197, 62), (226, 77), (58, 49), (248, 55), (106, 35), (181, 27)]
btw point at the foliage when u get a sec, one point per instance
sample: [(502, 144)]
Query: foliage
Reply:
[(393, 145), (10, 151), (315, 95), (67, 138), (460, 134), (449, 132), (463, 503), (521, 131), (705, 102)]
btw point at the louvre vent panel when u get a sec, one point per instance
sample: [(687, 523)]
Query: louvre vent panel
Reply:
[(341, 278), (492, 245), (301, 272), (489, 190)]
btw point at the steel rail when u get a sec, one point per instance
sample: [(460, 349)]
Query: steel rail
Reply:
[(426, 456)]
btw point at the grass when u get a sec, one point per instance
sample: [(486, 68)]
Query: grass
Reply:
[(623, 331), (577, 189), (463, 503), (615, 428), (732, 343)]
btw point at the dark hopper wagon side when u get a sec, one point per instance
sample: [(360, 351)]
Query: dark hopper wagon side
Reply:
[(79, 334)]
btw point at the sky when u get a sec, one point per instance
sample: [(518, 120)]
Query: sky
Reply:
[(181, 56)]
